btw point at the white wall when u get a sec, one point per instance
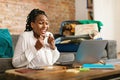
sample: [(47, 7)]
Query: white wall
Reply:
[(117, 22), (106, 11)]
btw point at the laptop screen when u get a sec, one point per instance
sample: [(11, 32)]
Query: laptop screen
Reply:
[(90, 51)]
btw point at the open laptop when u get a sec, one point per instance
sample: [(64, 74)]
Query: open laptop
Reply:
[(90, 51)]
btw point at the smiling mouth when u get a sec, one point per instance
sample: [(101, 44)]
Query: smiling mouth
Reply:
[(43, 31)]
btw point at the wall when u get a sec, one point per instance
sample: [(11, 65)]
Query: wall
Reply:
[(106, 15), (108, 12), (117, 22), (13, 13), (81, 9)]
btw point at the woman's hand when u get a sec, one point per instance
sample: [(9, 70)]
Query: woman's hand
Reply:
[(39, 43), (51, 42)]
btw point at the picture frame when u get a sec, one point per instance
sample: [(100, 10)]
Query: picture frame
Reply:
[(89, 4), (90, 15)]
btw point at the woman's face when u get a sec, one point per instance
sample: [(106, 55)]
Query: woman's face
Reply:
[(41, 25)]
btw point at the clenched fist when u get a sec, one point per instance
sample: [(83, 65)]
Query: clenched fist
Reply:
[(51, 42)]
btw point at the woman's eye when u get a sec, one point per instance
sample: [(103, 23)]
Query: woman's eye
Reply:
[(40, 22), (47, 23)]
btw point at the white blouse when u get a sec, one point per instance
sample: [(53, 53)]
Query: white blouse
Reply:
[(26, 55)]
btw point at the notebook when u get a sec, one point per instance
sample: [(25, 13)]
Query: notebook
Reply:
[(112, 61), (90, 51), (99, 66)]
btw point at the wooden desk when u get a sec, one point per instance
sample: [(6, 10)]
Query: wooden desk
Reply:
[(60, 74)]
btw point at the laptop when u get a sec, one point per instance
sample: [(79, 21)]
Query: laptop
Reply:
[(90, 51)]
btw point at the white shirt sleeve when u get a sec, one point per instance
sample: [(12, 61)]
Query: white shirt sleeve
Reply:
[(55, 54), (22, 55)]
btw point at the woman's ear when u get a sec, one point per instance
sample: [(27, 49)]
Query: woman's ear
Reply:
[(32, 24)]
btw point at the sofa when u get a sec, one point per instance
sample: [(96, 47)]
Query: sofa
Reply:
[(111, 53), (6, 63)]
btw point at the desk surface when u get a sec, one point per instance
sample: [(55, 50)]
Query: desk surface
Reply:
[(59, 73)]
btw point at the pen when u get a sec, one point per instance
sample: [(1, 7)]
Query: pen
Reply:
[(38, 68)]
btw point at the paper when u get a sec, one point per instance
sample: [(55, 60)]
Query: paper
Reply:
[(85, 29)]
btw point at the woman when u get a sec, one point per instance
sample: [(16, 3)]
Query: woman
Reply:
[(36, 46)]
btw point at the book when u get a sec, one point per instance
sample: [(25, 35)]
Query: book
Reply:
[(112, 61), (25, 70)]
